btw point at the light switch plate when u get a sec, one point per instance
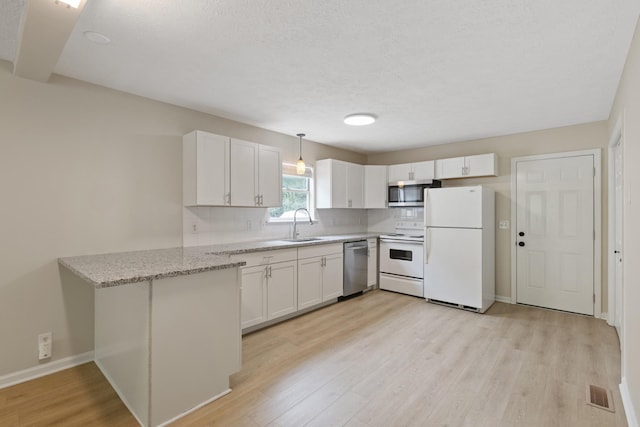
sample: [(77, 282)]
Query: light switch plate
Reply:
[(504, 224)]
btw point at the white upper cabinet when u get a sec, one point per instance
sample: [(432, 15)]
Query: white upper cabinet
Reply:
[(400, 172), (339, 184), (269, 182), (244, 167), (220, 171), (375, 187), (256, 174), (355, 186), (423, 171), (205, 166), (420, 171), (467, 167)]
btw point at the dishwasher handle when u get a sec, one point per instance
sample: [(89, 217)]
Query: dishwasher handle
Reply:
[(355, 248)]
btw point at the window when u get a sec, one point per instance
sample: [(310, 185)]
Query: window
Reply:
[(296, 193)]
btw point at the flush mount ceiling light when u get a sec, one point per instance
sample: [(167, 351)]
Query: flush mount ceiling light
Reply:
[(359, 119), (98, 38), (300, 166), (70, 3)]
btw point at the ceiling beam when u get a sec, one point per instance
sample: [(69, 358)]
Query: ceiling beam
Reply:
[(45, 27)]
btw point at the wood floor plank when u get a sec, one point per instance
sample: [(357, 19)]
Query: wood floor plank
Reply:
[(382, 359)]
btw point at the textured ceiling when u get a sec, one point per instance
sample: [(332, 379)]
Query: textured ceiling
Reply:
[(434, 71)]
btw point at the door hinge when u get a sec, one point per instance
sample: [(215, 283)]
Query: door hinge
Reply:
[(594, 298), (594, 235), (594, 172)]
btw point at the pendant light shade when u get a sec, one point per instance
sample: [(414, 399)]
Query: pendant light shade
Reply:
[(300, 166)]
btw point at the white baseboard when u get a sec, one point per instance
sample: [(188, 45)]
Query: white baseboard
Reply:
[(44, 369), (500, 298), (605, 316), (195, 408), (627, 402)]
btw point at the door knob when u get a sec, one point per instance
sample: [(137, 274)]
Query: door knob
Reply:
[(521, 233), (520, 243)]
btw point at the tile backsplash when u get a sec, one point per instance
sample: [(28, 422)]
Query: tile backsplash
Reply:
[(219, 225)]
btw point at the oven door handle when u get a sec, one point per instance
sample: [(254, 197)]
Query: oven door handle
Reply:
[(404, 242)]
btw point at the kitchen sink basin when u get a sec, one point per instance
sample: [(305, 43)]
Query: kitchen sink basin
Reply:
[(302, 239)]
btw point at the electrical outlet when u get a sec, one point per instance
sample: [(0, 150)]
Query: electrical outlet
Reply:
[(45, 346), (504, 224), (194, 228)]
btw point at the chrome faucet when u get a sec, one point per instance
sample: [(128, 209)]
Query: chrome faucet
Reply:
[(295, 222)]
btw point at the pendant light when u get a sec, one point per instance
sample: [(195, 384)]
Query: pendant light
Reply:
[(300, 166)]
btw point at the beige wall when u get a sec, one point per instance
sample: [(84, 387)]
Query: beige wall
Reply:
[(627, 103), (572, 138), (85, 169)]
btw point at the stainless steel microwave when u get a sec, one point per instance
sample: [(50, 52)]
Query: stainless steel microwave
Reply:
[(409, 193)]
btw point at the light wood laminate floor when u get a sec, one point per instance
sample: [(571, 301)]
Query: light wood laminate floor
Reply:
[(382, 359)]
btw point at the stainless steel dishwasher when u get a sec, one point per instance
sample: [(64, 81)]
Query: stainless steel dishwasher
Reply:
[(355, 267)]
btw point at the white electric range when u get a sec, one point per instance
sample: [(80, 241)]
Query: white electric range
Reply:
[(402, 259)]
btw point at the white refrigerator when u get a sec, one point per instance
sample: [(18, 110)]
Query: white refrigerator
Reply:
[(459, 247)]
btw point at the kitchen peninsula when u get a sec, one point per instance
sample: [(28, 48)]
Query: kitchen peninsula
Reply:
[(167, 321), (166, 338)]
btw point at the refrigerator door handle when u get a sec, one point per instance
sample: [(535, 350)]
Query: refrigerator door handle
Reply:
[(426, 245), (426, 205)]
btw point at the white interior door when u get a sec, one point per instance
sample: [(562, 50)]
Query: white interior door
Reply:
[(618, 233), (555, 233)]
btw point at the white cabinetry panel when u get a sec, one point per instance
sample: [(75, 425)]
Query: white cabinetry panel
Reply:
[(309, 282), (419, 171), (282, 289), (269, 183), (467, 167), (375, 187), (372, 262), (205, 164), (254, 301), (339, 184), (243, 173), (219, 171)]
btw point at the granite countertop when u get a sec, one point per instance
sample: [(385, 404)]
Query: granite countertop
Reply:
[(267, 245), (115, 269)]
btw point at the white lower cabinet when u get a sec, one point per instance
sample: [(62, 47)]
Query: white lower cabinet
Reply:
[(320, 270), (279, 283), (372, 262), (282, 289), (309, 282), (332, 276), (254, 292), (269, 286)]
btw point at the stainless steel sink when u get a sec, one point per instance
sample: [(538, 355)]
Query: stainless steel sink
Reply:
[(302, 239)]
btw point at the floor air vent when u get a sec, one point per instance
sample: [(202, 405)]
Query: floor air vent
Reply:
[(599, 397)]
